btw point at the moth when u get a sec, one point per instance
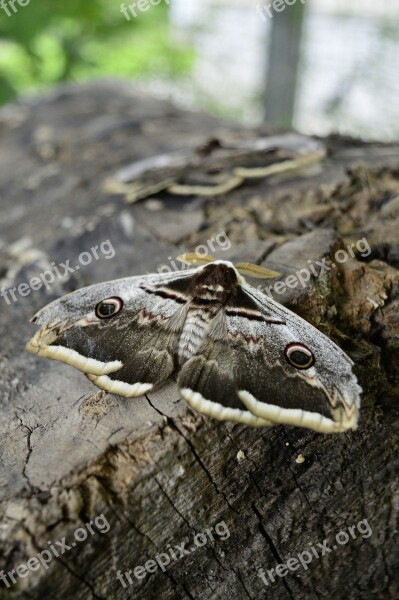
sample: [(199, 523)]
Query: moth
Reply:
[(215, 167), (237, 355)]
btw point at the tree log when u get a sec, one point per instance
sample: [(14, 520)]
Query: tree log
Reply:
[(159, 473)]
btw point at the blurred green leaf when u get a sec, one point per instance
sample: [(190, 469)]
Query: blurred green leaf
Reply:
[(7, 91), (46, 42)]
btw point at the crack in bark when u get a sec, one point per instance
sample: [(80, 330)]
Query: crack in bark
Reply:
[(173, 425), (195, 454), (203, 467), (250, 460), (82, 580), (177, 585), (238, 574), (272, 547), (33, 489), (173, 505), (228, 570), (133, 526)]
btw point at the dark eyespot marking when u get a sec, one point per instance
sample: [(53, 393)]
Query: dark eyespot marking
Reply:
[(109, 307), (299, 356)]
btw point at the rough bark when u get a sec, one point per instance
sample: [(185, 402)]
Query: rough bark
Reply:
[(159, 472)]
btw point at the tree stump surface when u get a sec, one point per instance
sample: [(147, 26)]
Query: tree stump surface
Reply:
[(159, 473)]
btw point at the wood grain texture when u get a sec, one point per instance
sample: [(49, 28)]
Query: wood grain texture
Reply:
[(157, 471)]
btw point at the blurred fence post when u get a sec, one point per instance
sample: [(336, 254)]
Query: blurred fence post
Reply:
[(283, 61)]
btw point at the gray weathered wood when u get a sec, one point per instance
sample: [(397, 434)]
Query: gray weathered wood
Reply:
[(159, 472)]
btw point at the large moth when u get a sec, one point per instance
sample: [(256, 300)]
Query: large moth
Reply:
[(236, 354)]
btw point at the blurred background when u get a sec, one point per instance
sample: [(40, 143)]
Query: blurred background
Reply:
[(319, 65)]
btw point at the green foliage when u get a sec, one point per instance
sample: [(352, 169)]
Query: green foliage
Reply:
[(47, 42)]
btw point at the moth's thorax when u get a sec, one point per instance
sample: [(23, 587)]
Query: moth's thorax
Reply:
[(215, 283)]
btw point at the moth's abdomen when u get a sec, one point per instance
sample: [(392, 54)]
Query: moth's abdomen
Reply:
[(193, 333)]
